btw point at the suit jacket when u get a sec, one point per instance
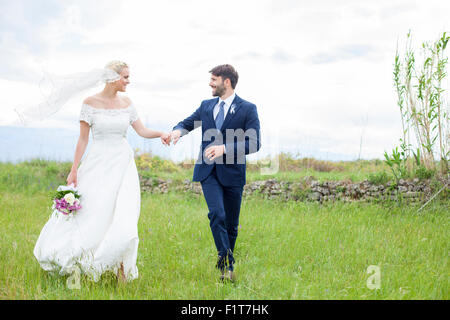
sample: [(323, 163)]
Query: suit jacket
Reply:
[(240, 133)]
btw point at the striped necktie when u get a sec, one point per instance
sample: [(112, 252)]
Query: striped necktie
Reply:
[(220, 116)]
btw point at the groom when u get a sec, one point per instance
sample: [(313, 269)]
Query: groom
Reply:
[(230, 130)]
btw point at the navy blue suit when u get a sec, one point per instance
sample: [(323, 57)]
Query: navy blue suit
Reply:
[(224, 178)]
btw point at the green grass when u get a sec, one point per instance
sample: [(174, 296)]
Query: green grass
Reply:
[(285, 250), (256, 175), (37, 175)]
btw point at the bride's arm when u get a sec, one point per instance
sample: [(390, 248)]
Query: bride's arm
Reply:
[(145, 132), (79, 151)]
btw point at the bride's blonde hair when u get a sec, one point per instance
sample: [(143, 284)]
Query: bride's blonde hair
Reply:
[(116, 65)]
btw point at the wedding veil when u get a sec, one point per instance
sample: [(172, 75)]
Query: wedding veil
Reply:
[(61, 89)]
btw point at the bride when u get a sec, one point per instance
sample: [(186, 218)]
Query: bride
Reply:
[(103, 235)]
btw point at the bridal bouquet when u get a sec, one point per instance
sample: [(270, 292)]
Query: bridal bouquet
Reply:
[(66, 200)]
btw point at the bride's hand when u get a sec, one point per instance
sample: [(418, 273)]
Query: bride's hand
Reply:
[(72, 178), (166, 138)]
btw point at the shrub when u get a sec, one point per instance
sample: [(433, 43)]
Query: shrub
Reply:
[(146, 161), (300, 192), (423, 173), (378, 177)]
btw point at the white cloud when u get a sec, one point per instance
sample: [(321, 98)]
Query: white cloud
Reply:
[(314, 69)]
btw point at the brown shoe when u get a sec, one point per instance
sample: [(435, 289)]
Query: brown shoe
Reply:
[(121, 278), (228, 276)]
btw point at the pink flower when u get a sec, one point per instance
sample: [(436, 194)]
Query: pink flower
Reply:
[(62, 206)]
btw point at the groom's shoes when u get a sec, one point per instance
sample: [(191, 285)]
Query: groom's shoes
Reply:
[(224, 266), (228, 275)]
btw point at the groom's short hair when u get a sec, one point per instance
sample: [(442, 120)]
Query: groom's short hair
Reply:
[(226, 71)]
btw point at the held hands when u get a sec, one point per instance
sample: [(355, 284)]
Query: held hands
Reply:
[(175, 136), (166, 138), (211, 153)]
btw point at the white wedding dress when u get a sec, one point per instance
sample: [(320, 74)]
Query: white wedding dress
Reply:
[(103, 234)]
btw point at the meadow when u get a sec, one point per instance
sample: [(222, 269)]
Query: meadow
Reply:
[(285, 249)]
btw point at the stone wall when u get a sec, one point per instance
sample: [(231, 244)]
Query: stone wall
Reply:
[(309, 189)]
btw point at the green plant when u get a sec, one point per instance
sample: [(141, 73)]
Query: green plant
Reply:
[(424, 173), (378, 177), (397, 162), (300, 192), (420, 98), (146, 161), (393, 187), (342, 189)]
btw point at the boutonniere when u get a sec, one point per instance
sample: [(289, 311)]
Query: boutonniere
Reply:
[(232, 109)]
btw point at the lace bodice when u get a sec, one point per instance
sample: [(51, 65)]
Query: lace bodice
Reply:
[(108, 123)]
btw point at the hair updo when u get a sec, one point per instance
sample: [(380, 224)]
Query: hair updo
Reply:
[(116, 65)]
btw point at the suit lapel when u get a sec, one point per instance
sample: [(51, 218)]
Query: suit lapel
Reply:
[(235, 105), (211, 111)]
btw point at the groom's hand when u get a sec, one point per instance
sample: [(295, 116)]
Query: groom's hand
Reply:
[(214, 152), (175, 136)]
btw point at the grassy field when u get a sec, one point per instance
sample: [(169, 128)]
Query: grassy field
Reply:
[(285, 250)]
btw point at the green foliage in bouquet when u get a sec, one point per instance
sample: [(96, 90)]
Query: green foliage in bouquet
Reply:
[(61, 194)]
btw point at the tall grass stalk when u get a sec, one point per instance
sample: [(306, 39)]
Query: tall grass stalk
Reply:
[(420, 99)]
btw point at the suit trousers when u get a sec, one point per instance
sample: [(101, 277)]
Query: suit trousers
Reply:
[(224, 205)]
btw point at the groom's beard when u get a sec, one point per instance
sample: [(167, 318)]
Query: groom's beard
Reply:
[(220, 90)]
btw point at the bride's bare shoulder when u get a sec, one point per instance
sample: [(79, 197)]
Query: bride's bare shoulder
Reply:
[(98, 102), (93, 101), (126, 99)]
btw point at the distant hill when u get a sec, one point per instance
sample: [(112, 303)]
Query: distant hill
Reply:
[(21, 143)]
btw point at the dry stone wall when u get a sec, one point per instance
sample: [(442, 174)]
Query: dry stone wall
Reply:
[(309, 189)]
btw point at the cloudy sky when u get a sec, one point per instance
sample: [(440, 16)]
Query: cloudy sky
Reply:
[(319, 72)]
